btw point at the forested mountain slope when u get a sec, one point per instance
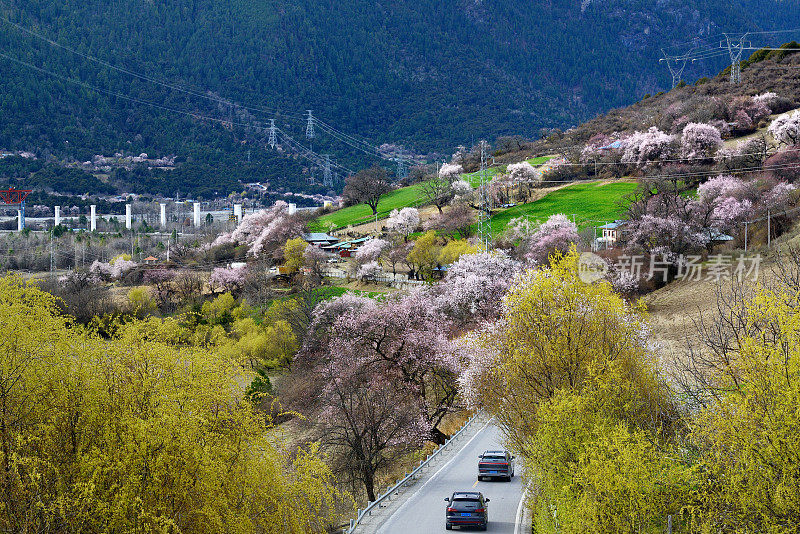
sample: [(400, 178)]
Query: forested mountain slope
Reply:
[(428, 74)]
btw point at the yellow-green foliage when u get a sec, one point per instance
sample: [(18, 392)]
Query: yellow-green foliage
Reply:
[(126, 257), (599, 465), (140, 301), (231, 329), (425, 253), (454, 250), (751, 436), (136, 435), (568, 374), (293, 254), (555, 331), (271, 346), (219, 310)]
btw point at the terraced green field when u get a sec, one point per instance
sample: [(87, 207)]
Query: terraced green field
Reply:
[(399, 198), (591, 203)]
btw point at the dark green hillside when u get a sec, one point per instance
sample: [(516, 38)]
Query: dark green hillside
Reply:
[(428, 74)]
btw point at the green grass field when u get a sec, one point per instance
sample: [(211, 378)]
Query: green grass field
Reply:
[(361, 213), (397, 199), (592, 203)]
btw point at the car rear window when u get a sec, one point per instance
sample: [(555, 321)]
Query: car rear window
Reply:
[(465, 504), (494, 458)]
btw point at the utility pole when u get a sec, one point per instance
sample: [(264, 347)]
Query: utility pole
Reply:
[(401, 168), (769, 228), (745, 236), (484, 223), (309, 125)]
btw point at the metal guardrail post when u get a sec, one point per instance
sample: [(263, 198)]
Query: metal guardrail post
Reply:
[(398, 484)]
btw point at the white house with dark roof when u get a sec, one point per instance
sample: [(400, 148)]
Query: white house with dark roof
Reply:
[(610, 234)]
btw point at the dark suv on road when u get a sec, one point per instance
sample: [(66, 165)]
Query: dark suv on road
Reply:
[(496, 464), (466, 509)]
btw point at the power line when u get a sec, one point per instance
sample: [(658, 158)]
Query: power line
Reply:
[(150, 79), (304, 152), (311, 121)]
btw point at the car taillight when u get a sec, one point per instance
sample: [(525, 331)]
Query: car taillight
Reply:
[(452, 510), (480, 510)]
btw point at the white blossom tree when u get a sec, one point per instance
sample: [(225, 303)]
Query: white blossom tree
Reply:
[(404, 221)]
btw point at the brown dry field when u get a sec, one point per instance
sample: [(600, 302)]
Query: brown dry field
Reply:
[(675, 309)]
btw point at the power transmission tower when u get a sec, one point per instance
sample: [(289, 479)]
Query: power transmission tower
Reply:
[(327, 175), (273, 134), (309, 125), (402, 172), (735, 48), (484, 223), (675, 64)]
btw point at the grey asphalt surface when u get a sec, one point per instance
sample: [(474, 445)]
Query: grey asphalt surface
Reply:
[(423, 511)]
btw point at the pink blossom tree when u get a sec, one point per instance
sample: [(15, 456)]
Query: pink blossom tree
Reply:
[(314, 259), (461, 189), (700, 141), (721, 187), (778, 196), (474, 286), (456, 221), (554, 235), (369, 271), (228, 279), (402, 339), (265, 231), (747, 112), (113, 270), (439, 189), (769, 99), (645, 148), (361, 417), (369, 252), (522, 172), (450, 171), (651, 232)]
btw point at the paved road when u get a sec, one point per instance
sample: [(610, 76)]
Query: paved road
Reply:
[(423, 511)]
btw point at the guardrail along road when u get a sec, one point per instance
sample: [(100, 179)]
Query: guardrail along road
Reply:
[(423, 511)]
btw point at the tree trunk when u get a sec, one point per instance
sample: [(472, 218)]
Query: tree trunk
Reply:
[(369, 485), (438, 437)]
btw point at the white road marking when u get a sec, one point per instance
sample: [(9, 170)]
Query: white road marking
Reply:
[(408, 497), (520, 510)]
